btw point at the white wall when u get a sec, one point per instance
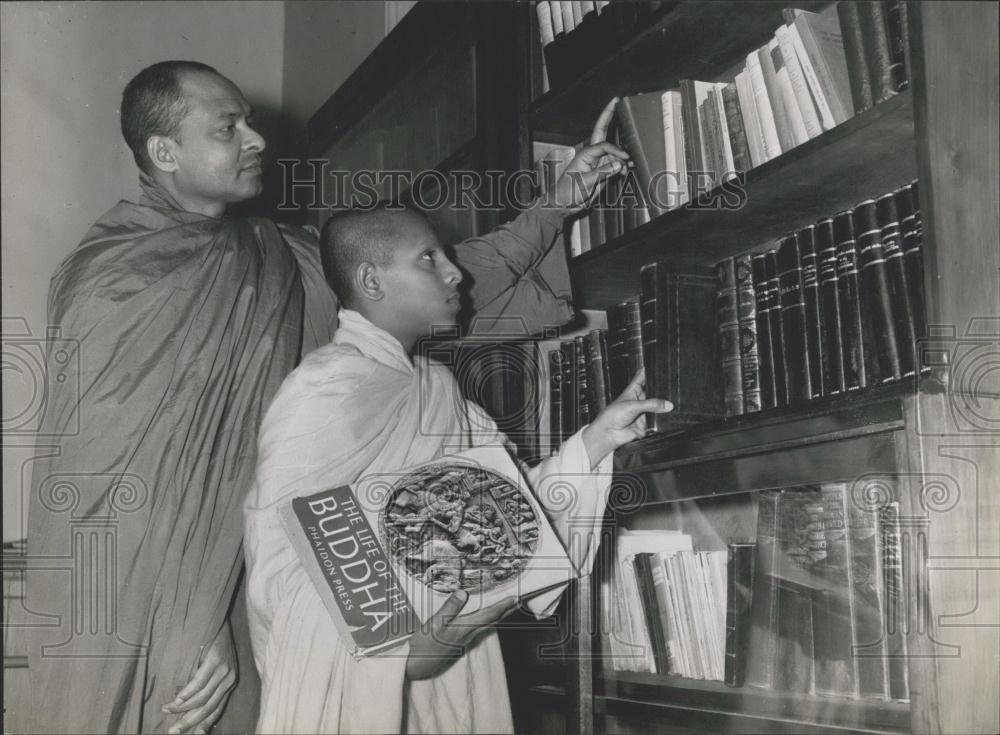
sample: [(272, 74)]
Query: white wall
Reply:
[(63, 160)]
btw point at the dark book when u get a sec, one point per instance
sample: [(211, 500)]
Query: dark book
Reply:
[(833, 618), (641, 120), (583, 414), (762, 645), (714, 165), (692, 128), (830, 327), (895, 603), (642, 563), (793, 322), (875, 297), (858, 70), (867, 588), (768, 390), (567, 365), (555, 400), (729, 337), (799, 541), (776, 329), (849, 297), (746, 311), (874, 31), (739, 587), (596, 343), (678, 311), (908, 208), (895, 18), (899, 293), (813, 312), (737, 129), (624, 345)]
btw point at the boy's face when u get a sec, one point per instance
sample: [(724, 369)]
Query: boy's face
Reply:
[(420, 283)]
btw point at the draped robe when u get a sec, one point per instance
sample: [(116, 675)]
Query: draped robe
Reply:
[(176, 330), (354, 407)]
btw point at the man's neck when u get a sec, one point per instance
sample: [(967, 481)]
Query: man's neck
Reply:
[(214, 210)]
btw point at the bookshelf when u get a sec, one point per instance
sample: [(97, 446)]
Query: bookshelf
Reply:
[(936, 437)]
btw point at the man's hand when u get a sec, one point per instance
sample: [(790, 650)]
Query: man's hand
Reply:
[(444, 637), (202, 700), (622, 420), (590, 167)]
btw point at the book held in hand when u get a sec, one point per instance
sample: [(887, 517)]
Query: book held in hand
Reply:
[(387, 551)]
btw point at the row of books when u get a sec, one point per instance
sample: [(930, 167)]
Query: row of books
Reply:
[(833, 307), (575, 35), (665, 606), (804, 81), (813, 606)]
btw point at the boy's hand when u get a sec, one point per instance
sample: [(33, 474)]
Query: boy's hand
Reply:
[(200, 703), (622, 420), (590, 167), (444, 637)]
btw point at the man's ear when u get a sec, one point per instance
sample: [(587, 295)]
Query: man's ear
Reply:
[(161, 152), (367, 283)]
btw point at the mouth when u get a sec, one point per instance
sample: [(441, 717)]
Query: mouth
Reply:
[(254, 168)]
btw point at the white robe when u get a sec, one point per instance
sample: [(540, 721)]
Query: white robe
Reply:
[(357, 406)]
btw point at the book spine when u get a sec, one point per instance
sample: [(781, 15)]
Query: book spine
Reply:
[(895, 605), (833, 617), (875, 293), (813, 311), (650, 611), (793, 327), (545, 30), (692, 129), (680, 145), (823, 42), (597, 370), (639, 116), (647, 313), (867, 589), (764, 107), (849, 296), (616, 349), (776, 328), (908, 204), (635, 358), (830, 326), (858, 70), (580, 383), (568, 409), (768, 390), (661, 592), (713, 158), (800, 88), (895, 17), (763, 636), (751, 120), (786, 96), (746, 311), (739, 583), (817, 93), (737, 130), (899, 294), (729, 337), (876, 39), (555, 400), (670, 150), (722, 133)]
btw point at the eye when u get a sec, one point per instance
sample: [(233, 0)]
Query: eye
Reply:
[(428, 254)]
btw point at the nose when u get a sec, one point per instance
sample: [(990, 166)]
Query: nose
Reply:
[(452, 275), (253, 141)]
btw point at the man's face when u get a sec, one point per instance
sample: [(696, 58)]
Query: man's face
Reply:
[(217, 153), (420, 283)]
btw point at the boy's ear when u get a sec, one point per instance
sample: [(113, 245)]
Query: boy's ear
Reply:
[(367, 282)]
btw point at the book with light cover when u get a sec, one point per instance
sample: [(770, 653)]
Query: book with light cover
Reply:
[(387, 551)]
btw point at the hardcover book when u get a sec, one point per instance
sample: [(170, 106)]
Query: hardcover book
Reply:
[(385, 552)]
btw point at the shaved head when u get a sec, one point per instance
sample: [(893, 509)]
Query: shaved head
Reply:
[(353, 237)]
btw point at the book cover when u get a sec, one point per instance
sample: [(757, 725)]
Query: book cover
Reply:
[(795, 355), (746, 312), (641, 118), (868, 589), (762, 646), (809, 75), (830, 327), (899, 41), (813, 317), (722, 136), (667, 624), (385, 552), (895, 603), (787, 139), (768, 389), (764, 106), (677, 311), (908, 206), (596, 343), (823, 43), (751, 120), (895, 272), (555, 400), (568, 390), (739, 584), (874, 31), (849, 297), (875, 296), (776, 327), (729, 337), (858, 72), (673, 144), (651, 610), (804, 125), (583, 412), (693, 95), (714, 158), (739, 143)]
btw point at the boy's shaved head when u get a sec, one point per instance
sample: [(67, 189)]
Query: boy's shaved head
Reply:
[(353, 237)]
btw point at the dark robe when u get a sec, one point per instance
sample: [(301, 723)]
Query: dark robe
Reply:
[(180, 328)]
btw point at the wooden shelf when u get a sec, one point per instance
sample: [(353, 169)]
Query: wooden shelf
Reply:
[(825, 440), (713, 703), (687, 41), (868, 155)]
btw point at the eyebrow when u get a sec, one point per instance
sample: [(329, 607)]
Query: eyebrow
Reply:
[(234, 112)]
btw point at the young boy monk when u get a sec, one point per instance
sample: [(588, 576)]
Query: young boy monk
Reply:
[(366, 403)]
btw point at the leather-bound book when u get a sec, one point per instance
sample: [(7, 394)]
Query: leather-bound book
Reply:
[(875, 298), (908, 208), (876, 39), (739, 600), (583, 415), (810, 296), (729, 337), (596, 343), (641, 119), (746, 311), (555, 400), (768, 391), (776, 328), (899, 294), (896, 21), (567, 387), (849, 297), (793, 322), (830, 328), (858, 70)]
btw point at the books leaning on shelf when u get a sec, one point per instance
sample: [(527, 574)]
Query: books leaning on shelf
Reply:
[(835, 306), (385, 552)]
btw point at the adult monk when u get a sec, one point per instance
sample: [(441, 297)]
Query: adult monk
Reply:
[(184, 322)]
